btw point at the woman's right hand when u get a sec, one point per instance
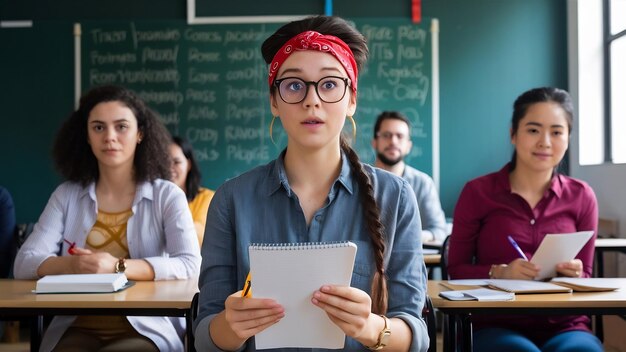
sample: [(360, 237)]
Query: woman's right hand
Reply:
[(518, 269), (243, 317)]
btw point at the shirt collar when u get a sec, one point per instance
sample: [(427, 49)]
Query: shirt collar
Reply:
[(144, 190), (503, 183), (278, 175)]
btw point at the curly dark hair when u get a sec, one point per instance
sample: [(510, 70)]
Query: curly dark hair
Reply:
[(192, 182), (74, 158)]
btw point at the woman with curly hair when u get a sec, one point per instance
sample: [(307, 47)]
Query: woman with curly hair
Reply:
[(115, 213)]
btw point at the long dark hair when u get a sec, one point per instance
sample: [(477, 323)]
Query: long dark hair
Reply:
[(73, 156), (539, 95), (357, 43), (192, 182)]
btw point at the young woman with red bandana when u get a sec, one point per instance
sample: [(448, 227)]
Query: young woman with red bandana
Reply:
[(317, 190)]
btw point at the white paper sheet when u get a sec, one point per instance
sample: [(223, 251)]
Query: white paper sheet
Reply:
[(558, 248)]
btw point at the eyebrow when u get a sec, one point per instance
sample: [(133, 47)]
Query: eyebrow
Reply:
[(115, 121), (540, 125), (298, 70)]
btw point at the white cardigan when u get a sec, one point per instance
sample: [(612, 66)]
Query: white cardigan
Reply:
[(161, 231)]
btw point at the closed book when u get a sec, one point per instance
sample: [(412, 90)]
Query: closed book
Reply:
[(82, 283)]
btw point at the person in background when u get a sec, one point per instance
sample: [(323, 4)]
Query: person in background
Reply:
[(186, 175), (392, 143), (526, 199), (317, 190), (7, 229), (115, 213)]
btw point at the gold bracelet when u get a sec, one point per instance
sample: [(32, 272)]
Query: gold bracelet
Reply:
[(383, 337)]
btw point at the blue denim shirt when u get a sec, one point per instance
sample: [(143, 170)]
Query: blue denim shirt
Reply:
[(260, 207)]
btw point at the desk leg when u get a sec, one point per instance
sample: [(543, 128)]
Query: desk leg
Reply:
[(189, 332), (36, 331), (449, 333), (466, 329)]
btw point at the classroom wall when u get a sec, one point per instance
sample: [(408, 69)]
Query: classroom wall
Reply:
[(490, 51)]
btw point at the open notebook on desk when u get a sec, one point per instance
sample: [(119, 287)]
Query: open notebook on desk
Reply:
[(556, 285)]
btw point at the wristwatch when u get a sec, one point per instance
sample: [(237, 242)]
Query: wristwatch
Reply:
[(383, 337), (120, 266)]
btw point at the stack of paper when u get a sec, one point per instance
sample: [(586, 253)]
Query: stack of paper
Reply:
[(580, 284), (479, 294), (527, 286), (81, 283)]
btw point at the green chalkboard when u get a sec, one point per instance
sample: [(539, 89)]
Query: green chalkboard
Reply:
[(208, 83)]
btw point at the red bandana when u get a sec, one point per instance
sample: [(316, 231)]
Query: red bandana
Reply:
[(311, 40)]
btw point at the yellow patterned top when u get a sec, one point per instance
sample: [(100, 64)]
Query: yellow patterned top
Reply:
[(108, 234), (199, 207)]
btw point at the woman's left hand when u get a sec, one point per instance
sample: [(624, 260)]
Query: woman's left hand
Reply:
[(573, 268), (349, 308)]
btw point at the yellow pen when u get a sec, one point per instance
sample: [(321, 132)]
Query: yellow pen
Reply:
[(246, 292)]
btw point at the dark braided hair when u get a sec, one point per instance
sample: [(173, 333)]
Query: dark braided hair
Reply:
[(356, 41), (374, 226)]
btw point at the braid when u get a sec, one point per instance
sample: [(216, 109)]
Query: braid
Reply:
[(375, 227)]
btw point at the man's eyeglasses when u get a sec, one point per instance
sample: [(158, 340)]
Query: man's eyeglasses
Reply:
[(330, 89), (390, 135)]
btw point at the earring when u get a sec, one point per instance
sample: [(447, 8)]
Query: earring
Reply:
[(139, 141), (353, 128), (272, 129)]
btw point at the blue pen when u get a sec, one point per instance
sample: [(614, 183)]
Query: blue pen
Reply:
[(519, 250)]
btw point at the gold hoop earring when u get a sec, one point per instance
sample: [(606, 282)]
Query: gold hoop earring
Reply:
[(272, 129), (353, 128)]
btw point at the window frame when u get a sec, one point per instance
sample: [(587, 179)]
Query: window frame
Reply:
[(608, 40)]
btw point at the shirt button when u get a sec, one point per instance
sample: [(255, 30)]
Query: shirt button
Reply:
[(318, 217), (532, 221)]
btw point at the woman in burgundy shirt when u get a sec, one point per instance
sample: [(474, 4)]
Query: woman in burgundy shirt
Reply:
[(526, 199)]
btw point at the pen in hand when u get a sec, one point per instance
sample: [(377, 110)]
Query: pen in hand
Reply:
[(72, 245), (516, 247), (246, 287)]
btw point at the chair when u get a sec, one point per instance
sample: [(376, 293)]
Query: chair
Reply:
[(194, 314), (428, 313), (445, 248)]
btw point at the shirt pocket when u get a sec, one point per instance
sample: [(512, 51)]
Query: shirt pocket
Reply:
[(362, 276), (364, 267), (562, 224)]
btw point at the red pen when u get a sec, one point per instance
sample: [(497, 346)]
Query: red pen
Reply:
[(72, 245)]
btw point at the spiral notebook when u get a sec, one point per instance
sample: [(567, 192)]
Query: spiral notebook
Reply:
[(290, 273)]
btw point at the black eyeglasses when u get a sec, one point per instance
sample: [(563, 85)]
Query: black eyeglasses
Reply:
[(330, 89)]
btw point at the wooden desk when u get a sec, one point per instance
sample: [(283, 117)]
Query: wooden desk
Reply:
[(432, 260), (145, 298), (604, 245), (459, 312)]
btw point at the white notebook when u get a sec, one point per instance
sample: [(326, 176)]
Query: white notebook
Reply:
[(290, 273), (81, 283), (479, 294)]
